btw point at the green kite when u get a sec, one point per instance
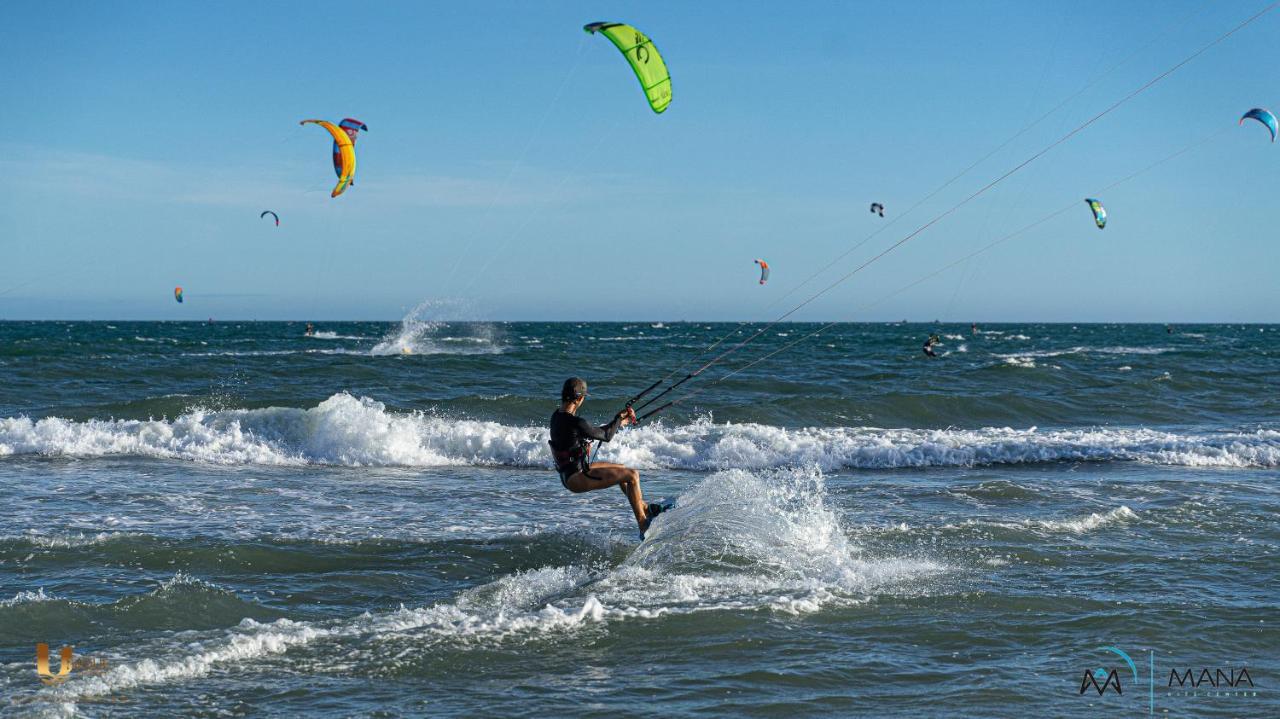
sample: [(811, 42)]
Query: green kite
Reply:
[(643, 55)]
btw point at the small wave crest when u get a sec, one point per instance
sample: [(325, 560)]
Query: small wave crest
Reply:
[(1020, 357), (326, 335), (1085, 524)]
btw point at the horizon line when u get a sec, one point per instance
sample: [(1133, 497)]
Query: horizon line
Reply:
[(214, 320)]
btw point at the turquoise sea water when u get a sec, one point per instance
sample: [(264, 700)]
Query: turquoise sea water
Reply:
[(243, 521)]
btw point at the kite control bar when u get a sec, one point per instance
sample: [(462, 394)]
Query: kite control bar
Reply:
[(640, 395), (652, 412), (644, 392)]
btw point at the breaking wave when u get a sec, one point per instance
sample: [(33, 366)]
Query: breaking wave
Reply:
[(348, 431)]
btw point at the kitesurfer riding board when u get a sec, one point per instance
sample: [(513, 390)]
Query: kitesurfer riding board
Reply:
[(928, 345), (570, 442)]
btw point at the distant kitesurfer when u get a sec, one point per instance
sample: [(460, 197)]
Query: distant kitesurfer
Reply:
[(929, 343), (973, 328), (570, 443), (311, 330)]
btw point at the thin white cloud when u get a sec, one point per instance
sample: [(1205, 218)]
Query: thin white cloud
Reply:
[(64, 174)]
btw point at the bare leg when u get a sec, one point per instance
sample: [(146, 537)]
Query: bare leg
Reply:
[(607, 474)]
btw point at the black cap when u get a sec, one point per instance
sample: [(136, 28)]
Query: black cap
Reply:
[(574, 388)]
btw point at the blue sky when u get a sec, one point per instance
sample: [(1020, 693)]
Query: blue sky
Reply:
[(513, 167)]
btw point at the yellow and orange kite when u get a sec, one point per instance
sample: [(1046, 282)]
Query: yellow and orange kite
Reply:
[(344, 149)]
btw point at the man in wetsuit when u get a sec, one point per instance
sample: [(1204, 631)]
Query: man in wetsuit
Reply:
[(929, 343), (570, 442)]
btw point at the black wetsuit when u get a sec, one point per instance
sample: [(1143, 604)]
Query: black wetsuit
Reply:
[(570, 442), (928, 346)]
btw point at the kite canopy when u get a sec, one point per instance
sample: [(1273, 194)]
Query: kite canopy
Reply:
[(643, 56), (344, 150), (764, 271), (177, 294), (1263, 116), (877, 208), (269, 212), (1099, 212)]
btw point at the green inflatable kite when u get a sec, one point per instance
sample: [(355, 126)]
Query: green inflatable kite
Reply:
[(644, 58)]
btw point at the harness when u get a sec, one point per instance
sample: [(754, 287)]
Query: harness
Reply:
[(571, 461)]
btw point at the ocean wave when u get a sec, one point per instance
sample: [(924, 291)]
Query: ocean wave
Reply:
[(356, 432), (734, 542), (1019, 361), (1040, 354), (1070, 525), (279, 353), (1091, 522), (336, 336), (27, 597), (66, 540)]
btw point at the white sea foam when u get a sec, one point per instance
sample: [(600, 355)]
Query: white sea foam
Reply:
[(348, 431), (417, 334), (1020, 357), (62, 540), (1091, 522), (335, 336), (734, 542), (28, 598)]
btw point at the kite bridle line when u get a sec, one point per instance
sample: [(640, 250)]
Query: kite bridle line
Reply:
[(985, 248), (556, 193), (898, 216), (1085, 88), (1079, 128), (506, 181)]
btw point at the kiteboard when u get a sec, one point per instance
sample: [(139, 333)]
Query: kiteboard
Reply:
[(666, 505)]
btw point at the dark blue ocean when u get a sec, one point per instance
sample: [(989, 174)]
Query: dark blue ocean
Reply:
[(234, 519)]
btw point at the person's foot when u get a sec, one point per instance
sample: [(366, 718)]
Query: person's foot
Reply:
[(651, 510)]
